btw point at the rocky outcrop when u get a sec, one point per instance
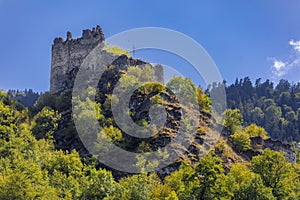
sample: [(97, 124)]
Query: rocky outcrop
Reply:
[(67, 57), (259, 144)]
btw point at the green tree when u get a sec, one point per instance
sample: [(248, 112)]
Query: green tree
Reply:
[(257, 116), (88, 113), (241, 141), (253, 131), (7, 121), (272, 120), (24, 179), (45, 100), (221, 189), (247, 185), (112, 133), (209, 168), (184, 182), (203, 100), (4, 98), (184, 89), (233, 119), (275, 172), (99, 184), (45, 123), (138, 186), (162, 192), (136, 75)]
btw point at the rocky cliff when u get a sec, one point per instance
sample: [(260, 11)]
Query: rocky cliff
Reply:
[(67, 57)]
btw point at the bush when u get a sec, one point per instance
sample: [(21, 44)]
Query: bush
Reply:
[(233, 119), (254, 131), (241, 141)]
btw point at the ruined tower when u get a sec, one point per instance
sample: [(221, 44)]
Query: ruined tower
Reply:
[(68, 55)]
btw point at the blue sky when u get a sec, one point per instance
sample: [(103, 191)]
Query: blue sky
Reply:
[(256, 38)]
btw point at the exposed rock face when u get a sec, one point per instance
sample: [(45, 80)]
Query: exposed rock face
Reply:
[(275, 145), (259, 144), (67, 57)]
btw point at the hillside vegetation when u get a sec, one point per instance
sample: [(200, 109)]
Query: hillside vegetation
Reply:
[(274, 107), (32, 168)]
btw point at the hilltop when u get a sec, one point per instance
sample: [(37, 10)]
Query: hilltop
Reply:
[(43, 155)]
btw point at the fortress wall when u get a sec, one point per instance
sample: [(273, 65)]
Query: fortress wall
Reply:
[(68, 55)]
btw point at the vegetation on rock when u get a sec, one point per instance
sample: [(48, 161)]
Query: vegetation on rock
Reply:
[(31, 167)]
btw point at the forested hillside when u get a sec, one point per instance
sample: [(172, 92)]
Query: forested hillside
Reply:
[(43, 157), (25, 97), (274, 107), (32, 168)]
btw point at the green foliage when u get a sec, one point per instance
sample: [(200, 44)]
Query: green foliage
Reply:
[(256, 115), (45, 123), (4, 98), (208, 169), (88, 113), (220, 189), (59, 103), (23, 179), (145, 163), (99, 184), (45, 100), (184, 89), (203, 100), (136, 75), (138, 186), (245, 184), (151, 87), (10, 117), (161, 191), (31, 167), (273, 118), (273, 108), (241, 141), (115, 50), (111, 133), (7, 121), (26, 97), (276, 173), (233, 119), (254, 131), (184, 182)]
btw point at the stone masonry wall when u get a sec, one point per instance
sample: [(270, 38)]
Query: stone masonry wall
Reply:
[(68, 55)]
